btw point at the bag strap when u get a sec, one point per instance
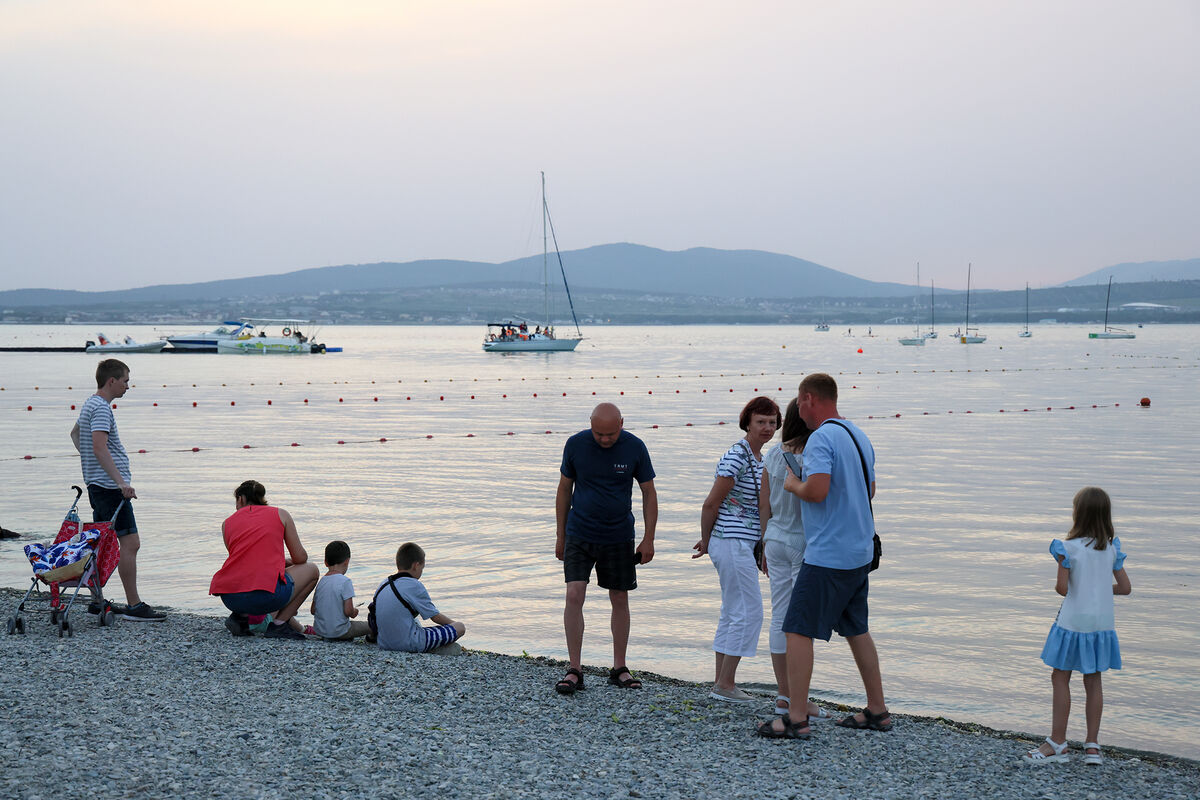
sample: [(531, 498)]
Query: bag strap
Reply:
[(391, 582), (862, 459)]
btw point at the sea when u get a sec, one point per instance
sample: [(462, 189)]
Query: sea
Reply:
[(416, 434)]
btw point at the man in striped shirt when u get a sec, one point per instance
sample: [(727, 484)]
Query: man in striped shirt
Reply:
[(106, 473)]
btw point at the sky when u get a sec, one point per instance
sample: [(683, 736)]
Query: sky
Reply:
[(164, 142)]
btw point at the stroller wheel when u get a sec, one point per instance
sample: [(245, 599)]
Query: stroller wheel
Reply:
[(62, 626), (108, 618), (70, 628), (54, 616), (11, 628)]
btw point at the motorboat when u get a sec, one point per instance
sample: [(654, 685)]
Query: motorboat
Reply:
[(127, 345), (290, 339), (206, 341), (1110, 333), (509, 337)]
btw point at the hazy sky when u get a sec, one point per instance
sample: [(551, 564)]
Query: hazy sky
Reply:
[(160, 142)]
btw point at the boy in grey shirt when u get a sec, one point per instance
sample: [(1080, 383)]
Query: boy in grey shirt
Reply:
[(401, 598), (333, 601)]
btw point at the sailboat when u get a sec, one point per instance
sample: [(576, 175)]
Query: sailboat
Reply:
[(822, 326), (916, 340), (514, 337), (1110, 333), (1025, 334), (966, 337), (932, 332)]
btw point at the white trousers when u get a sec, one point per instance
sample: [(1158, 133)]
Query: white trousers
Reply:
[(783, 565), (741, 599)]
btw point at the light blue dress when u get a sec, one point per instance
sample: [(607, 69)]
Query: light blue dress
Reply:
[(1084, 637)]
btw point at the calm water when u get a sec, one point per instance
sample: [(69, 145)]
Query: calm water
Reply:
[(968, 500)]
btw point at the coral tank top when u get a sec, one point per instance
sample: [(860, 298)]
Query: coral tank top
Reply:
[(254, 539)]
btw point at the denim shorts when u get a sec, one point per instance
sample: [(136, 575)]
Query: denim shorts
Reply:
[(614, 563), (104, 502), (261, 601), (826, 600)]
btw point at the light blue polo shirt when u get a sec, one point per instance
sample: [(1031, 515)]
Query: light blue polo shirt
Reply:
[(840, 527)]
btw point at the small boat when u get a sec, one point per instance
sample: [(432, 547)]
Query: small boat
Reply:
[(509, 337), (128, 345), (206, 342), (965, 336), (821, 327), (1110, 333), (916, 340), (289, 340), (1025, 334)]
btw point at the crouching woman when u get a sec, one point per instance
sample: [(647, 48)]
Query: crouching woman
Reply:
[(256, 578)]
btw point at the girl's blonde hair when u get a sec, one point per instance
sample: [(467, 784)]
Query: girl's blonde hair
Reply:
[(1092, 517)]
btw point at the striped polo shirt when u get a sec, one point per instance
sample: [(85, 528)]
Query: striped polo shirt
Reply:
[(738, 516), (97, 415)]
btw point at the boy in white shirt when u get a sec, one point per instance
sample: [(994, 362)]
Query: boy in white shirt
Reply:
[(333, 601)]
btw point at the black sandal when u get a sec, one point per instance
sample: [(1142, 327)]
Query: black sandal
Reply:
[(791, 730), (570, 687), (628, 683), (873, 722)]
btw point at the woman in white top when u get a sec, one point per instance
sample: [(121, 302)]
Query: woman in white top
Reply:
[(729, 531), (783, 550)]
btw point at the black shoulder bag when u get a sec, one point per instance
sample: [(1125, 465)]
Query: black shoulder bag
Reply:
[(867, 481), (371, 621)]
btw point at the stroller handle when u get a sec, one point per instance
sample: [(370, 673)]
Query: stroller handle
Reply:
[(78, 492)]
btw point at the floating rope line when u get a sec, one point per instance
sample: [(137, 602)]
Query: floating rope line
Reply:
[(546, 432), (793, 376)]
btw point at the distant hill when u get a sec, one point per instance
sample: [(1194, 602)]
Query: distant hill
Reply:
[(628, 267), (1142, 272)]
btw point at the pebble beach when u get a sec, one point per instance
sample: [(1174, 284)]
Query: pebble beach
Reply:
[(182, 709)]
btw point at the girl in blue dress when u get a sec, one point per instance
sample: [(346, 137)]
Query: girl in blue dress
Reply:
[(1090, 571)]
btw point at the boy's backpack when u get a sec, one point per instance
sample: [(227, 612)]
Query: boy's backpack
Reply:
[(372, 623)]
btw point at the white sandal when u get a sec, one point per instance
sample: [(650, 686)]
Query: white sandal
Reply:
[(822, 715), (785, 699), (1092, 759), (1038, 757)]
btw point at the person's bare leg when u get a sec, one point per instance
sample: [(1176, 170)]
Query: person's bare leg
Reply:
[(719, 661), (779, 665), (573, 624), (726, 678), (799, 671), (866, 657), (1060, 680), (127, 567), (620, 625), (304, 580), (1093, 705)]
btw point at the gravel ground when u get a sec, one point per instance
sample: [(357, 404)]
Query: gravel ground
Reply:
[(182, 709)]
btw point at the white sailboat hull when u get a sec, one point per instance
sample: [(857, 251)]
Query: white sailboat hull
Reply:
[(972, 339), (1112, 335), (917, 342)]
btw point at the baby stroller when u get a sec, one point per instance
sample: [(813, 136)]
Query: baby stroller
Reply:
[(81, 555)]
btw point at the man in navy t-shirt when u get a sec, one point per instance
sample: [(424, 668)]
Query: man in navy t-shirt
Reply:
[(594, 509)]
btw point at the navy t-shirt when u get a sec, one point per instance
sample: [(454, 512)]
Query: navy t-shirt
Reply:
[(601, 506)]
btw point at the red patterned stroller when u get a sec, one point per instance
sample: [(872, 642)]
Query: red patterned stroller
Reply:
[(81, 555)]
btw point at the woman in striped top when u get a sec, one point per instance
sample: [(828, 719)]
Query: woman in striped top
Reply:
[(729, 531)]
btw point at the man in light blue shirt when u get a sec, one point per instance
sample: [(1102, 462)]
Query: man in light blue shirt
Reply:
[(831, 589)]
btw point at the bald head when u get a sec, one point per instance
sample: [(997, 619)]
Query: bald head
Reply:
[(606, 424)]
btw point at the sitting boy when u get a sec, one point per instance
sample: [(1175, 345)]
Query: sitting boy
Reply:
[(333, 601), (400, 599)]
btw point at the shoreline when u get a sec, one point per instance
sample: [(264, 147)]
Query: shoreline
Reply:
[(182, 708)]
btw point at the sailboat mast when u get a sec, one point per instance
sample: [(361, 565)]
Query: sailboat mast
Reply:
[(1107, 297), (967, 321), (931, 305), (545, 273)]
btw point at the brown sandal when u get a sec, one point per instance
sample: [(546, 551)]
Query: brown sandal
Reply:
[(625, 683)]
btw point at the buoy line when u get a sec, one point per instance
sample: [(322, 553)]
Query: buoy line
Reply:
[(794, 376), (548, 432)]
